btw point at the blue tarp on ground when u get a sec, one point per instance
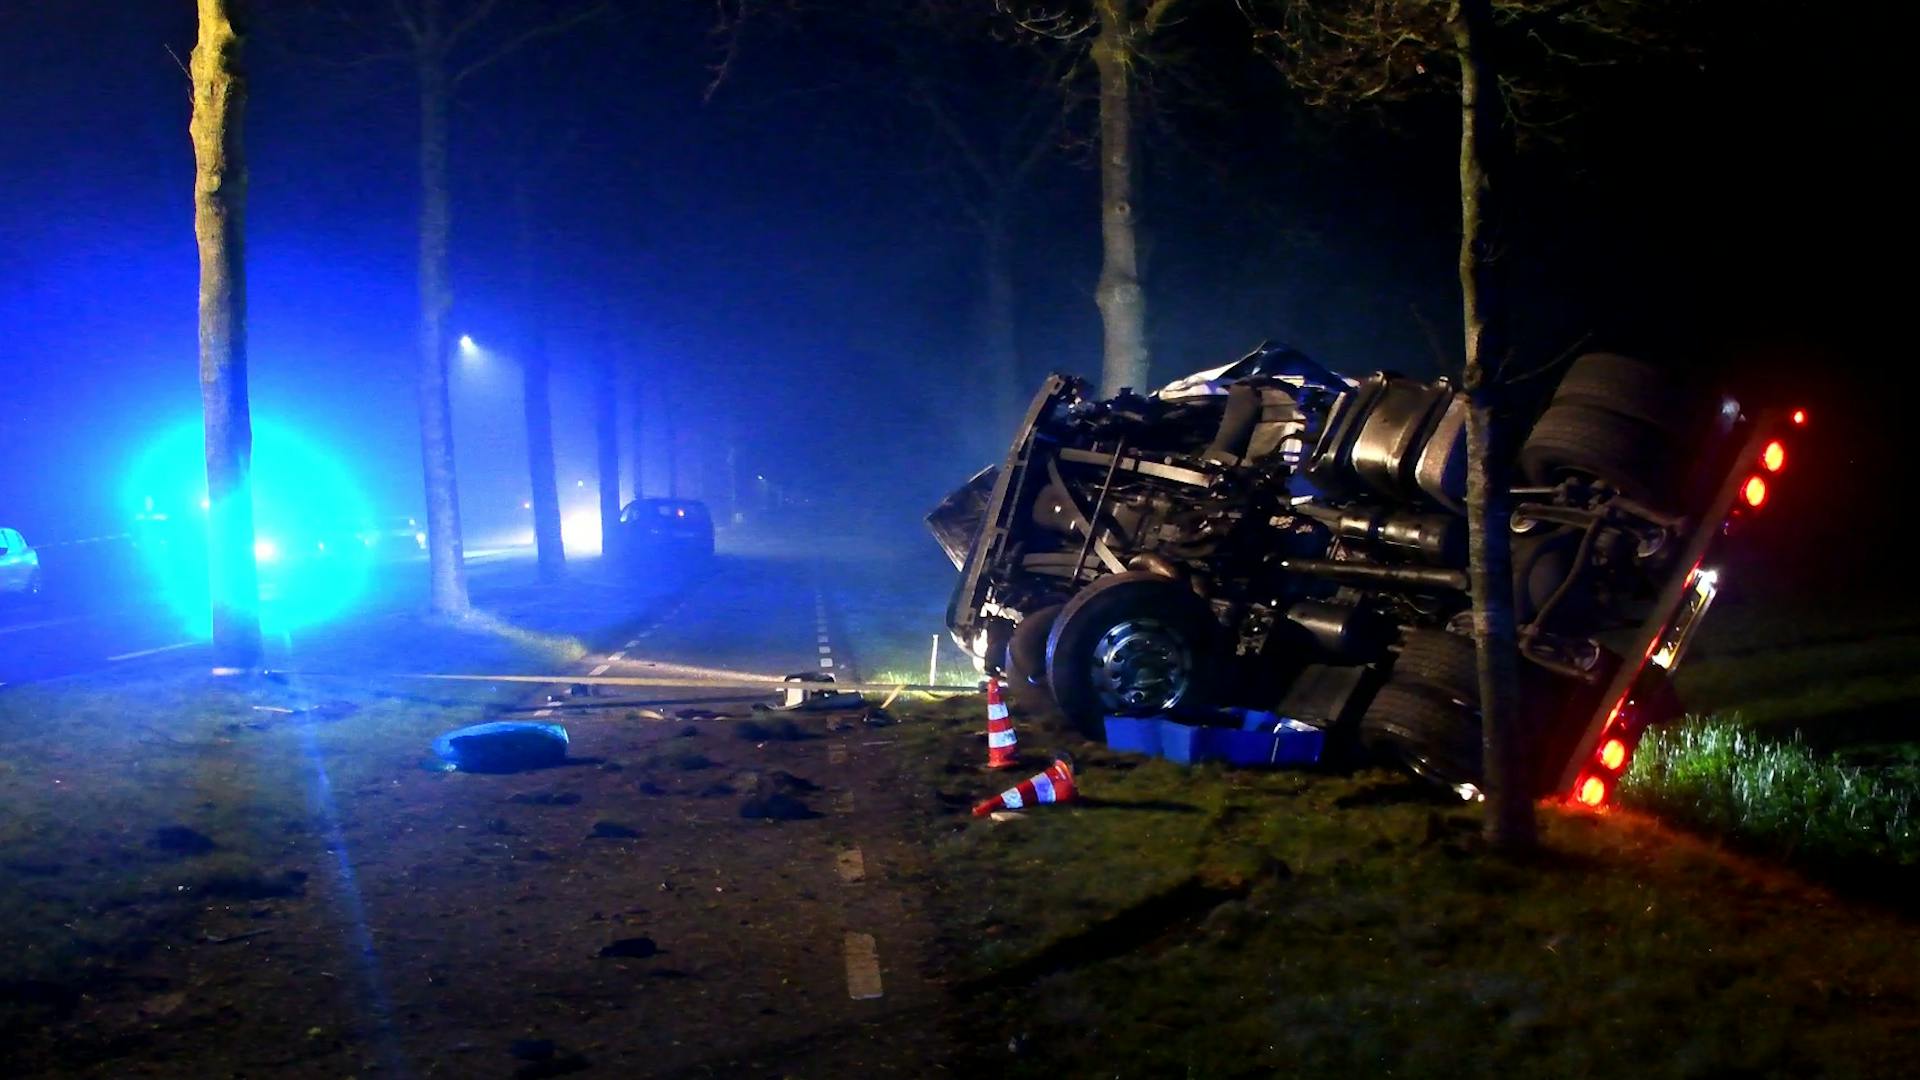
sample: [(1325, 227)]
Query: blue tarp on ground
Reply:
[(1257, 738), (503, 746)]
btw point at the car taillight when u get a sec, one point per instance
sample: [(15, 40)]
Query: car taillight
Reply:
[(1774, 457), (1755, 492), (1799, 416)]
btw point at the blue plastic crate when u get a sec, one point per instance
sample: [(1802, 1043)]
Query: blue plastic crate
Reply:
[(1134, 734), (1263, 738)]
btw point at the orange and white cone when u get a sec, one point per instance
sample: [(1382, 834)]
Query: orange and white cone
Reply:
[(1003, 746), (1052, 786)]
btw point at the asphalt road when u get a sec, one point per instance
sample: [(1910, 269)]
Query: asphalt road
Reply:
[(100, 611), (769, 888)]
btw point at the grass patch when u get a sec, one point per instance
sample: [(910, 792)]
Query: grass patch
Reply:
[(1215, 922), (1719, 775)]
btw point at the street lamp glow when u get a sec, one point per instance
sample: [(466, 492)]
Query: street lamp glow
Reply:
[(467, 344)]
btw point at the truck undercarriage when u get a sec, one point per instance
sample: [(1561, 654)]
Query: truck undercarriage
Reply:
[(1274, 535)]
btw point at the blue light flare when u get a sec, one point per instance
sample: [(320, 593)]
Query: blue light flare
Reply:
[(309, 518)]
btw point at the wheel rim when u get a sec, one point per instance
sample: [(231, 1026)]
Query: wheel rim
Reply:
[(1141, 664)]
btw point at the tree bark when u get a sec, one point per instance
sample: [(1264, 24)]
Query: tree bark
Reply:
[(636, 427), (606, 437), (1510, 825), (536, 402), (446, 558), (998, 317), (219, 208), (1123, 306), (671, 445)]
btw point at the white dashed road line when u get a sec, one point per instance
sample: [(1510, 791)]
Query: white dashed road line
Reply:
[(863, 967), (852, 866), (151, 652), (43, 624), (601, 670)]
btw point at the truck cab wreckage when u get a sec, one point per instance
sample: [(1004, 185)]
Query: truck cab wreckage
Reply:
[(1274, 535)]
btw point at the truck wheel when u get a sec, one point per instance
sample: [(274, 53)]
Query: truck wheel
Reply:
[(1627, 387), (1439, 660), (1131, 644), (1631, 456), (1433, 735), (1027, 652)]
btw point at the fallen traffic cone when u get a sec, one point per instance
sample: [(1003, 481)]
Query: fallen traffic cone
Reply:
[(1053, 786), (1003, 746)]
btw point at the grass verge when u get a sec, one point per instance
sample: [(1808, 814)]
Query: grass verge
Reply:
[(1213, 922), (1717, 774)]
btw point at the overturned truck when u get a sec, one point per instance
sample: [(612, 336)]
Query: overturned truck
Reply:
[(1275, 535)]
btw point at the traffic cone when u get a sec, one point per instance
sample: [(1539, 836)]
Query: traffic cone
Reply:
[(1003, 746), (1052, 786)]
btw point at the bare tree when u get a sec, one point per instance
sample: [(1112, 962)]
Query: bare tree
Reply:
[(606, 441), (219, 228), (448, 43), (535, 393), (636, 428), (1119, 35), (988, 149), (1348, 52)]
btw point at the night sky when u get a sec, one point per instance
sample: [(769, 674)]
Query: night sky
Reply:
[(780, 268)]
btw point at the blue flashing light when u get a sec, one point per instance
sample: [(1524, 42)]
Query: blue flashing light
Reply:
[(307, 508)]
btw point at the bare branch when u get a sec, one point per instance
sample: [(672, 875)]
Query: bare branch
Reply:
[(552, 28), (404, 17), (477, 16), (729, 27)]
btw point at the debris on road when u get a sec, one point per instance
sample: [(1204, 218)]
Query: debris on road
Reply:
[(814, 690), (778, 807), (633, 948), (180, 840), (784, 731), (545, 798), (503, 746)]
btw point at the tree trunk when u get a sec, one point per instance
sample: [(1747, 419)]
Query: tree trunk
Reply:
[(1510, 823), (1123, 306), (636, 453), (998, 330), (606, 437), (672, 447), (536, 402), (219, 207), (446, 558)]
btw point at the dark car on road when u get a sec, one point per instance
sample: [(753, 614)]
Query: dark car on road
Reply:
[(656, 530), (1274, 535)]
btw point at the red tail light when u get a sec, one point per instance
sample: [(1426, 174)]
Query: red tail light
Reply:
[(1774, 457), (1755, 492), (1799, 416), (1592, 791), (1613, 754)]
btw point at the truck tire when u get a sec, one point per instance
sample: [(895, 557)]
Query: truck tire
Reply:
[(1631, 456), (1441, 661), (1627, 387), (1433, 735), (1132, 644), (1027, 652)]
